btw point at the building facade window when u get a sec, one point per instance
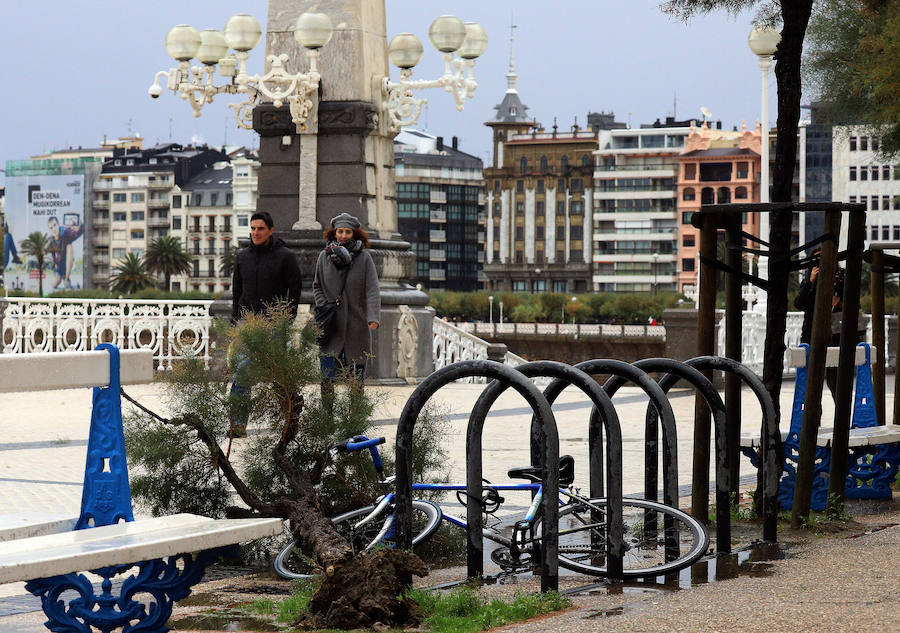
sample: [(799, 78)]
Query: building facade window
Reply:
[(520, 186), (687, 264), (540, 186), (520, 208), (119, 216), (523, 165), (137, 197)]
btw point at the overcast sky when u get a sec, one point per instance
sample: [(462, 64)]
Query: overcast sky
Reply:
[(76, 71)]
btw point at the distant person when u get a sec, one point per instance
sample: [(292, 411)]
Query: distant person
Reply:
[(9, 247), (265, 273), (345, 273), (62, 252), (805, 301)]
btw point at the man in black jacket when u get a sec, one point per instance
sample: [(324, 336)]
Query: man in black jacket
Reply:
[(265, 273)]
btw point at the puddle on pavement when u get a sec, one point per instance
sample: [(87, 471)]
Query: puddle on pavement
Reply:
[(221, 623), (753, 561)]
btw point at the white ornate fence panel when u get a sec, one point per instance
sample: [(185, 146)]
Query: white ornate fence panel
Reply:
[(453, 343), (172, 329)]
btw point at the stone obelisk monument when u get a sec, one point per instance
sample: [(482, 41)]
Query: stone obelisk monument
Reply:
[(343, 162)]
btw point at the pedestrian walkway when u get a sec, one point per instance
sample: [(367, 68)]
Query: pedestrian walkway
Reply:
[(45, 434)]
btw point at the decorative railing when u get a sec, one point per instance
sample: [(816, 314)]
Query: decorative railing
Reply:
[(753, 339), (172, 329), (452, 344), (577, 330)]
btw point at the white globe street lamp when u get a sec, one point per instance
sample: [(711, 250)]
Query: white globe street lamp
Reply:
[(764, 42), (460, 43)]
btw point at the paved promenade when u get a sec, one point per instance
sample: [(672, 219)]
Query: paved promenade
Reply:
[(44, 438)]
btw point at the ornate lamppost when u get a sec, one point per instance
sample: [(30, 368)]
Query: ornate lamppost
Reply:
[(326, 111)]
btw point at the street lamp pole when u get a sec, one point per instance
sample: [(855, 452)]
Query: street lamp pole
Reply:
[(491, 308), (655, 269), (764, 42), (501, 312)]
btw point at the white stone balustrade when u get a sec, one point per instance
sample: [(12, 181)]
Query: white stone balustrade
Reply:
[(171, 329)]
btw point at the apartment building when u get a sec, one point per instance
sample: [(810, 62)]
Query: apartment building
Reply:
[(132, 200), (861, 174), (716, 167), (440, 210), (202, 216), (635, 214)]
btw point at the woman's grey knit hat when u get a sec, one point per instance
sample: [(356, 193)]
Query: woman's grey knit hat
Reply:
[(345, 221)]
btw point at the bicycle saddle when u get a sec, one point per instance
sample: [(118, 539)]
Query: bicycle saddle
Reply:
[(534, 473)]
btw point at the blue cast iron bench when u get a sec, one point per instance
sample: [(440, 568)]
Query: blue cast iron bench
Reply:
[(874, 450), (165, 555)]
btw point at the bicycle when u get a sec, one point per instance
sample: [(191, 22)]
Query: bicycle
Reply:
[(582, 525)]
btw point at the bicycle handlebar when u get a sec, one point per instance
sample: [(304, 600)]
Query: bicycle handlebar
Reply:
[(361, 442)]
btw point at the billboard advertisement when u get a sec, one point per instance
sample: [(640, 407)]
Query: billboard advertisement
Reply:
[(52, 206)]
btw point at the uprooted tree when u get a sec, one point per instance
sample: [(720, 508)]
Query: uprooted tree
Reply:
[(285, 468)]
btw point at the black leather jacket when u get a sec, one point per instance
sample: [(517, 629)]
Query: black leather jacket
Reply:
[(263, 275)]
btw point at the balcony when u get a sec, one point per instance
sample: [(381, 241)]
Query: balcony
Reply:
[(155, 203), (209, 229), (100, 240), (480, 236), (437, 275), (438, 216), (159, 184), (209, 251), (100, 222), (438, 197), (194, 228), (101, 204), (157, 222), (437, 236), (437, 255), (100, 260)]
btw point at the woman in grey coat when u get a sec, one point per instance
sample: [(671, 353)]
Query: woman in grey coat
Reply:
[(346, 263)]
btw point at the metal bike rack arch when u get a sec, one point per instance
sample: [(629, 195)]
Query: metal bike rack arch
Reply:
[(564, 375), (549, 455), (674, 370), (657, 397), (771, 436)]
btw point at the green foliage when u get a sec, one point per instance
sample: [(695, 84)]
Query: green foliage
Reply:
[(175, 472), (465, 611), (40, 246), (166, 256), (553, 307), (130, 275), (227, 261), (851, 62)]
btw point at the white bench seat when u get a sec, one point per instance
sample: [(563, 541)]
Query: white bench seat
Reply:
[(123, 543), (869, 436), (28, 524)]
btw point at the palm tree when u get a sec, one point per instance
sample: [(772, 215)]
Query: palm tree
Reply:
[(38, 245), (166, 255), (226, 261), (131, 276)]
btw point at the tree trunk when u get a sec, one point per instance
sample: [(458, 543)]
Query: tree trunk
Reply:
[(795, 16)]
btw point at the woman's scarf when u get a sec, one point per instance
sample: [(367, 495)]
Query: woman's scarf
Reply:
[(341, 254)]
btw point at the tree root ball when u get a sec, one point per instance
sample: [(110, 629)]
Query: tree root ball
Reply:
[(363, 592)]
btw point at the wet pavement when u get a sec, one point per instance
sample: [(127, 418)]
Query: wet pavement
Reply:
[(42, 459)]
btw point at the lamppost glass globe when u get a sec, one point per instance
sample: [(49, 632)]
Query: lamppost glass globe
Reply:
[(242, 32), (182, 42), (447, 33), (212, 47), (405, 50), (313, 30), (764, 41), (475, 43)]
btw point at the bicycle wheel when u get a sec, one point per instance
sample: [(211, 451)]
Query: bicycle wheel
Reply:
[(292, 563), (582, 538)]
